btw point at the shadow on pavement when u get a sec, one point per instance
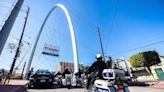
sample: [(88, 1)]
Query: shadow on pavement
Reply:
[(12, 88), (55, 87)]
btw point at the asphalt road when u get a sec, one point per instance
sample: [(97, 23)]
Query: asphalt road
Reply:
[(145, 89), (132, 89)]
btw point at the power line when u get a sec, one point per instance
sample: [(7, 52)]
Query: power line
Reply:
[(81, 17), (7, 14), (12, 2), (147, 42), (143, 46), (46, 25), (17, 16), (113, 22), (25, 54), (86, 24), (9, 11), (4, 6), (5, 1)]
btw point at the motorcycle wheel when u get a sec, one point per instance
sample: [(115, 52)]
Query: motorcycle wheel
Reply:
[(93, 88), (69, 86)]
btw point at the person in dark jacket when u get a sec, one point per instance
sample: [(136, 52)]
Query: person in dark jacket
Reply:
[(58, 73), (79, 73), (66, 71), (98, 66)]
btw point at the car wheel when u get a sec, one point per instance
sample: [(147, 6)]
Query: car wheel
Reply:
[(51, 85)]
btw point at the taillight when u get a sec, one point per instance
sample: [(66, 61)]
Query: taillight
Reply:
[(119, 87)]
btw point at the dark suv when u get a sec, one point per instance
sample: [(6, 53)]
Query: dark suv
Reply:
[(41, 78)]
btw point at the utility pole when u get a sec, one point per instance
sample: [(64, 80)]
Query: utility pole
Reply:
[(6, 29), (127, 67), (23, 70), (18, 48), (101, 45)]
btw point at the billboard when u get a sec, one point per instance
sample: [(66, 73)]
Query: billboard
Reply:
[(50, 50)]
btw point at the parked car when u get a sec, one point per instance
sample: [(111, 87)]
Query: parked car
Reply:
[(41, 78)]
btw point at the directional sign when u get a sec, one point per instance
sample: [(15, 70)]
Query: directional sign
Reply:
[(50, 50)]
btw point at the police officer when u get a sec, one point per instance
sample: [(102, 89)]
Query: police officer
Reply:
[(98, 66), (58, 73), (66, 71), (79, 73)]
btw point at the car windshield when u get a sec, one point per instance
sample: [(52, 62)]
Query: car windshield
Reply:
[(42, 72)]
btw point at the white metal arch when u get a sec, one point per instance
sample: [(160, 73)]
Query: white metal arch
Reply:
[(73, 38)]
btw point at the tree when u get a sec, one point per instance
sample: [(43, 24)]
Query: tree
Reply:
[(145, 59)]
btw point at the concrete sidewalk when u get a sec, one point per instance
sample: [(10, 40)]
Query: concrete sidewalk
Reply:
[(14, 86), (18, 82), (156, 84)]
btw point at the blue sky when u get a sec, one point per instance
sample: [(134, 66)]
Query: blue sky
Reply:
[(137, 23)]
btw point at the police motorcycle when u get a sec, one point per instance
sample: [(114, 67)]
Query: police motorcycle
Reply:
[(58, 79), (80, 81), (111, 83), (67, 81)]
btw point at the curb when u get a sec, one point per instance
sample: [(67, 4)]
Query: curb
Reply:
[(157, 85)]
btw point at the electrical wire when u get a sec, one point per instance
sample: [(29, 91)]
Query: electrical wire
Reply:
[(60, 31), (81, 18), (113, 23), (143, 46), (22, 59), (9, 11)]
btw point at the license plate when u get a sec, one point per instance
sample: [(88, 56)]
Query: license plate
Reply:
[(68, 83), (102, 90), (42, 80)]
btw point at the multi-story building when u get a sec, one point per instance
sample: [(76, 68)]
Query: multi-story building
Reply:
[(61, 66)]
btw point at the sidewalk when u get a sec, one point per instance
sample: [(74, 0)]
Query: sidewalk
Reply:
[(156, 84), (14, 86), (153, 84), (18, 82)]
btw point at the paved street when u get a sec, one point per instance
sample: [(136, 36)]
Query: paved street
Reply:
[(145, 89), (132, 89), (57, 90)]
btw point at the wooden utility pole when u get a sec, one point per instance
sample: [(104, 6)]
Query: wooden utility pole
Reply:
[(101, 45), (23, 70), (18, 48)]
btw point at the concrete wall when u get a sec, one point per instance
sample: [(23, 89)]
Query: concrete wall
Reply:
[(144, 76)]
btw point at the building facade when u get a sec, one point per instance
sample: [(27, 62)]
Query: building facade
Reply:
[(61, 66), (157, 70)]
